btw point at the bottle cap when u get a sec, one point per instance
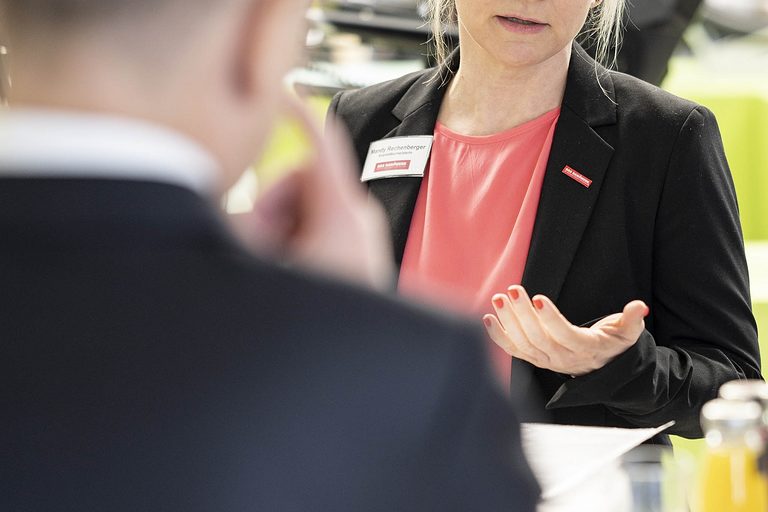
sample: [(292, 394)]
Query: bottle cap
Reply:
[(731, 415), (753, 389)]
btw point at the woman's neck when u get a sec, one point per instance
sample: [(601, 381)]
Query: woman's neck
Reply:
[(487, 97)]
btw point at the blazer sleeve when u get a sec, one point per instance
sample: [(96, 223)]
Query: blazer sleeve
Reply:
[(701, 332)]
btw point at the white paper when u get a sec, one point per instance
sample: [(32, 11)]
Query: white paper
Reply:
[(563, 456), (607, 490)]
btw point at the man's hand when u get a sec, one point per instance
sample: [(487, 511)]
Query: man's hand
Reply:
[(320, 217), (537, 332)]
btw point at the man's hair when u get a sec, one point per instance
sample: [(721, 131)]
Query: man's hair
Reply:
[(56, 19), (66, 14), (147, 29)]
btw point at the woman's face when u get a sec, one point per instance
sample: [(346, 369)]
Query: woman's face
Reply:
[(520, 33)]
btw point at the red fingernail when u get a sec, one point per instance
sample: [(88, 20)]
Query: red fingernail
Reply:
[(499, 303), (487, 322), (647, 311), (538, 303), (514, 293)]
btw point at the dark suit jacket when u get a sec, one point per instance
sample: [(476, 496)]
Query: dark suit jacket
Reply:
[(149, 363), (659, 223)]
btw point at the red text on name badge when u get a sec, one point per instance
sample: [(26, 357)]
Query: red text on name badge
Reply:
[(394, 165), (577, 176)]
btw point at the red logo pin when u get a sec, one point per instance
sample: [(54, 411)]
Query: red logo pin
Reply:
[(394, 165), (577, 176)]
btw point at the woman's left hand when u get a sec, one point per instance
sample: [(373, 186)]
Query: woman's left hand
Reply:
[(536, 331)]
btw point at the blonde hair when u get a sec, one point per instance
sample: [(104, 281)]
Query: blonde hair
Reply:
[(604, 28)]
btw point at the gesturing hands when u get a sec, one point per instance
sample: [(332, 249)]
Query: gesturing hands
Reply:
[(536, 331)]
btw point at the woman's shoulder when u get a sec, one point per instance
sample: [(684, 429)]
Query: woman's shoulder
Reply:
[(637, 100), (369, 103)]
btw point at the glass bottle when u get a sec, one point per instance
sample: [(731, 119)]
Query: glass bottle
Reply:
[(752, 389), (755, 390), (730, 479)]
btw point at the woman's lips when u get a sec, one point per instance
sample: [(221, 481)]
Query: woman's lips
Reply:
[(521, 25)]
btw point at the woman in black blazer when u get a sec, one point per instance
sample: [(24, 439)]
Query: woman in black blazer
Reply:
[(657, 226)]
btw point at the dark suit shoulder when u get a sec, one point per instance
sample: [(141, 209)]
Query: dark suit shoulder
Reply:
[(380, 314), (384, 371), (181, 364)]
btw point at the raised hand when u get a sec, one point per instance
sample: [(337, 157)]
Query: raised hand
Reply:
[(319, 216), (536, 331)]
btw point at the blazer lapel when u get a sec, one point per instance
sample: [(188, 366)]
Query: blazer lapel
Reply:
[(417, 111), (565, 205), (567, 200)]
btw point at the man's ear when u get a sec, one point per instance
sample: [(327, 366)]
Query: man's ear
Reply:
[(271, 43)]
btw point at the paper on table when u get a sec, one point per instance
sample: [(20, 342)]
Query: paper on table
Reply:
[(562, 456)]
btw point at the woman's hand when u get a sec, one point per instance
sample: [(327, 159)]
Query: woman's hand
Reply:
[(535, 331)]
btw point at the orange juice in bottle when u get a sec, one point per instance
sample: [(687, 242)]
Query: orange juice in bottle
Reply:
[(757, 391), (731, 480)]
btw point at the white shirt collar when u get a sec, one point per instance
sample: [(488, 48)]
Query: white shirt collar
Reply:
[(48, 143)]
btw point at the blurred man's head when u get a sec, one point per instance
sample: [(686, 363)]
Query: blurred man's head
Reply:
[(211, 69)]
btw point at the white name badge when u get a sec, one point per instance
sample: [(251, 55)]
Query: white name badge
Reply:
[(398, 157)]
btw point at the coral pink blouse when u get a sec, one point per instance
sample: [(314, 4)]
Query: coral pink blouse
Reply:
[(473, 219)]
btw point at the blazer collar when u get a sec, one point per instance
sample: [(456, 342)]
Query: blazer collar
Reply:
[(565, 205), (426, 95), (589, 91), (589, 94)]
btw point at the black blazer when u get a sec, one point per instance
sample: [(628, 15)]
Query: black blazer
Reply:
[(659, 223), (149, 363)]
